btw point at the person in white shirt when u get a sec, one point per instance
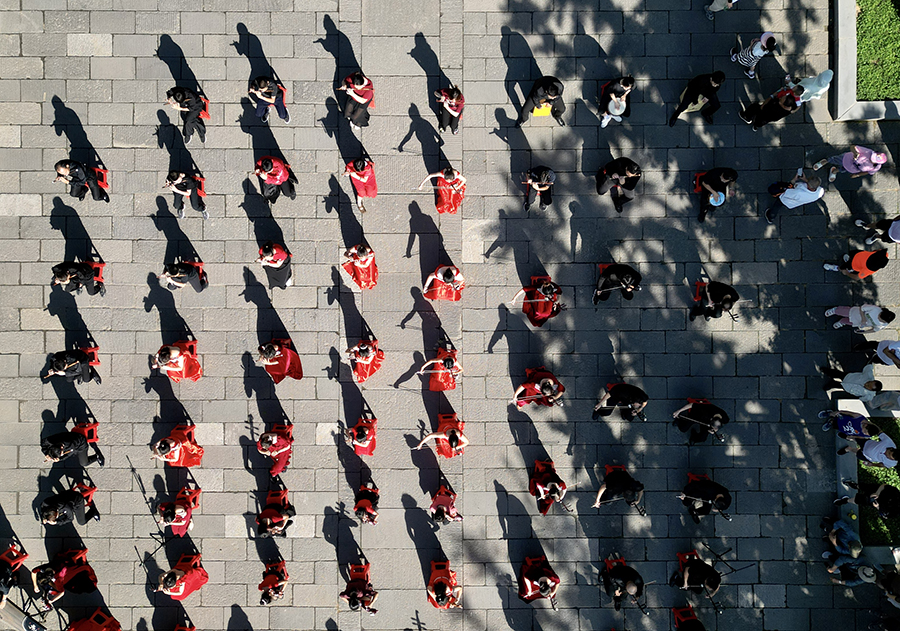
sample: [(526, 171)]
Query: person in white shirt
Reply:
[(881, 453), (861, 385), (718, 5), (887, 352), (864, 319), (793, 195)]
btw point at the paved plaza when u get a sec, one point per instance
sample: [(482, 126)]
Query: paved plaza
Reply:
[(91, 75)]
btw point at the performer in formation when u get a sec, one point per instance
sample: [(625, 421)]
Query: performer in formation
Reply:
[(179, 449), (362, 174), (73, 275), (451, 190), (186, 186), (360, 94), (178, 275), (81, 180), (538, 580), (280, 360), (541, 302), (178, 361), (446, 282), (540, 387), (276, 260), (365, 359)]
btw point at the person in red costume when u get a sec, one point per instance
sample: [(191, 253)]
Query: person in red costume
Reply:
[(275, 178), (68, 572), (541, 300), (452, 104), (443, 506), (180, 449), (277, 262), (360, 93), (446, 282), (359, 262), (366, 507), (540, 387), (449, 440), (359, 592), (178, 361), (546, 485), (362, 174), (362, 436), (273, 520), (446, 370), (280, 360), (451, 189), (275, 577), (178, 514), (444, 591), (365, 359), (184, 579), (538, 580), (277, 445)]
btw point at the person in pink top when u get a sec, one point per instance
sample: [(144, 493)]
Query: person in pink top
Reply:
[(859, 161)]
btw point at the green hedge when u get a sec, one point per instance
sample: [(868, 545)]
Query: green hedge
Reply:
[(873, 530), (878, 50)]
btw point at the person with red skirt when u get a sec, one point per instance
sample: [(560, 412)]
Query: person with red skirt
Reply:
[(449, 440), (443, 506), (274, 579), (452, 104), (275, 178), (362, 174), (446, 282), (538, 580), (451, 190), (280, 360), (541, 300), (360, 93), (277, 445), (184, 579), (273, 520), (540, 387), (446, 370), (362, 436), (546, 485), (359, 593), (178, 514), (444, 591), (366, 507), (365, 359), (68, 572), (178, 361), (179, 449), (359, 263), (277, 262)]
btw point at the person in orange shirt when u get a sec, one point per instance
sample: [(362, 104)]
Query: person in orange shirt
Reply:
[(860, 264)]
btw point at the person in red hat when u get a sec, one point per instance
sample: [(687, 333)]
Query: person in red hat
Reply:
[(280, 361), (540, 387), (359, 263)]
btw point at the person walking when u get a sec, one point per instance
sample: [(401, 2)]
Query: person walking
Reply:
[(184, 185), (813, 87), (750, 56), (80, 179), (860, 264), (718, 5), (360, 95), (859, 161), (72, 276), (75, 366), (886, 230), (275, 578), (446, 369), (715, 187), (713, 300), (452, 105), (362, 175), (619, 178), (793, 195), (700, 94), (280, 360), (616, 276), (546, 92), (774, 108), (189, 104), (864, 319), (615, 100), (275, 178), (268, 94), (449, 440), (443, 506), (366, 504), (861, 385), (539, 182)]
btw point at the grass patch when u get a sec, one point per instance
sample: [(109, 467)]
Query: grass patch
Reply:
[(877, 50), (874, 531)]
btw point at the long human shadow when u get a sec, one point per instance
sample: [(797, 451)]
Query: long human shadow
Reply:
[(521, 67), (269, 325), (513, 236), (431, 242), (257, 465), (351, 396), (338, 46), (265, 227), (337, 528), (79, 246), (337, 128), (583, 226), (339, 203), (423, 533), (427, 59), (430, 322), (70, 406), (169, 137), (172, 326), (178, 244), (525, 436), (62, 305), (523, 349), (262, 138), (259, 385), (171, 54), (355, 326), (429, 141), (519, 148), (66, 121), (356, 471), (248, 45)]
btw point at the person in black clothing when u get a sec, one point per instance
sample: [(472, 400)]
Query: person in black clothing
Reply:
[(884, 498), (701, 495), (774, 108), (714, 181), (619, 178), (190, 105), (698, 576), (715, 299), (268, 93), (703, 86), (177, 275), (619, 483), (621, 580), (58, 447), (630, 400), (539, 181), (615, 100), (617, 276), (184, 185), (74, 365), (73, 275), (8, 580), (63, 508), (546, 90), (701, 418), (80, 180)]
